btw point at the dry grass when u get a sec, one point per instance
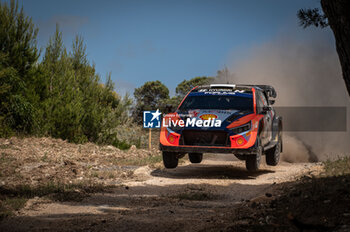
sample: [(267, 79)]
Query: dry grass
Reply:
[(9, 205), (150, 161), (337, 167), (14, 198), (56, 169), (35, 161)]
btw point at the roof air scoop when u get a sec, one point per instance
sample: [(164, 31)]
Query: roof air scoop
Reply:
[(222, 86)]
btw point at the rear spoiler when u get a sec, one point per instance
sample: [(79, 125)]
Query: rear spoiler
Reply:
[(268, 89)]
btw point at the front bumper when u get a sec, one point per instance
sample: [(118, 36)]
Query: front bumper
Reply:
[(208, 149)]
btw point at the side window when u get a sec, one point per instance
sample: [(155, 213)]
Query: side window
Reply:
[(263, 98), (259, 102)]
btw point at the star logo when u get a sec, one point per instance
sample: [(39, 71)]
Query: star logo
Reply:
[(152, 119), (156, 115)]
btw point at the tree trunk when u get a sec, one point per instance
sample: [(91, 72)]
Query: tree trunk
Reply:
[(338, 14)]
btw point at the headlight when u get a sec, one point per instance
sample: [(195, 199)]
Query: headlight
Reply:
[(240, 129)]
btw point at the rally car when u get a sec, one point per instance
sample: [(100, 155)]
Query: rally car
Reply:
[(223, 118)]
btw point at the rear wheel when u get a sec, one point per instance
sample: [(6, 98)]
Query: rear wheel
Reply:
[(252, 162), (170, 159), (273, 154), (195, 158)]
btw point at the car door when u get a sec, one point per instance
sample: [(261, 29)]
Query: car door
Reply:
[(266, 121), (268, 117)]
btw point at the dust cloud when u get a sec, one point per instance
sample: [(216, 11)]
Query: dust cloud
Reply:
[(305, 71)]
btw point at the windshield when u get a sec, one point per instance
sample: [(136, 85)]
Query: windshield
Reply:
[(218, 102)]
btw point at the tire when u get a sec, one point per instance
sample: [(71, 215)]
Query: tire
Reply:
[(170, 159), (252, 162), (273, 154), (195, 158)]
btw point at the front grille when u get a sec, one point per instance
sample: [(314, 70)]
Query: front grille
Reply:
[(205, 138)]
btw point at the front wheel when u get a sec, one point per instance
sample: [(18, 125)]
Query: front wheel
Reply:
[(170, 159), (195, 158), (252, 162)]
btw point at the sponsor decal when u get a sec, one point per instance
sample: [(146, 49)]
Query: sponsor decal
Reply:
[(220, 91), (193, 113), (208, 116)]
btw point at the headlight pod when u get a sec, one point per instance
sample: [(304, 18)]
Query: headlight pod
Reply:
[(243, 128)]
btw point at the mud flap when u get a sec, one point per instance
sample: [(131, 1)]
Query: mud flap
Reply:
[(276, 128)]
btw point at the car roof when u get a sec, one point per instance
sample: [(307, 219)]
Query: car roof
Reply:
[(268, 90)]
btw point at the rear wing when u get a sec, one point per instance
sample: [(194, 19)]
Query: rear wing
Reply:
[(268, 89)]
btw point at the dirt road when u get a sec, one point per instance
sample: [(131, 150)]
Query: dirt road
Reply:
[(193, 197)]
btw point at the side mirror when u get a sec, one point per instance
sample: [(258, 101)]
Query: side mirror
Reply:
[(265, 109)]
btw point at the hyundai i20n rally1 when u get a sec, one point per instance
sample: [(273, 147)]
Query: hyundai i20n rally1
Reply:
[(222, 118)]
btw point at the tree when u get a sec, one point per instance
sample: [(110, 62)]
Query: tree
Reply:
[(53, 54), (62, 108), (186, 85), (76, 105), (149, 97), (18, 38), (337, 16), (310, 17), (62, 96), (169, 105), (18, 57), (79, 53)]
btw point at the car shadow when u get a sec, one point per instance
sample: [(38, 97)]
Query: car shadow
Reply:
[(209, 171)]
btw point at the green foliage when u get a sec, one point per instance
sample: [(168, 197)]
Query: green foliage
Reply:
[(169, 105), (76, 106), (17, 38), (149, 97), (131, 134), (308, 17), (62, 96), (154, 95), (186, 85), (18, 55)]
